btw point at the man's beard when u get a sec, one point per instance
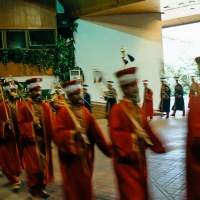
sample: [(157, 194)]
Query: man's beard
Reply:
[(37, 98), (12, 95), (76, 101), (12, 98)]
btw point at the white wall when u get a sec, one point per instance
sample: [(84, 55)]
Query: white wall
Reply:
[(98, 44)]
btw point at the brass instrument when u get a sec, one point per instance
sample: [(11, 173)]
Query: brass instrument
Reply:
[(55, 99), (53, 88)]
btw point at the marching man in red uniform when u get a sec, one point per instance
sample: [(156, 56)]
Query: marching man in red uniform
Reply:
[(10, 157), (76, 133), (36, 126), (193, 149), (130, 136), (148, 100)]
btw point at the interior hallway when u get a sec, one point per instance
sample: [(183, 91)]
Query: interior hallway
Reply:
[(166, 171)]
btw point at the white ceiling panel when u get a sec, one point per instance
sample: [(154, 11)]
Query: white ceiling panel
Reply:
[(174, 12)]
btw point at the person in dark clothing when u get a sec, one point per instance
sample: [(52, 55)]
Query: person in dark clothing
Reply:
[(165, 98), (86, 98), (179, 100)]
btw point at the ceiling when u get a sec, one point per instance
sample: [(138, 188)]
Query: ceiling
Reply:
[(173, 12)]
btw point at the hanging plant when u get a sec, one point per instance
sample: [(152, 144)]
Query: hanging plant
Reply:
[(33, 58), (61, 58)]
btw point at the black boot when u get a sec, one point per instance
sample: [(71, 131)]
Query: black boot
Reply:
[(43, 194)]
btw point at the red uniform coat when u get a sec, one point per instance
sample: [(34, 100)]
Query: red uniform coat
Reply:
[(129, 151), (34, 163), (77, 183), (148, 102), (193, 151), (10, 158)]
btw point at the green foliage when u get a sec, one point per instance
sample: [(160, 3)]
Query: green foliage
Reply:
[(74, 27), (65, 59), (61, 58), (182, 68), (33, 58)]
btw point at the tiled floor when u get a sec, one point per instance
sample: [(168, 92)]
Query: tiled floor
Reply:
[(166, 171)]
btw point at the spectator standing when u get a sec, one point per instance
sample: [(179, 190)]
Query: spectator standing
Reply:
[(179, 100), (148, 100), (165, 94)]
